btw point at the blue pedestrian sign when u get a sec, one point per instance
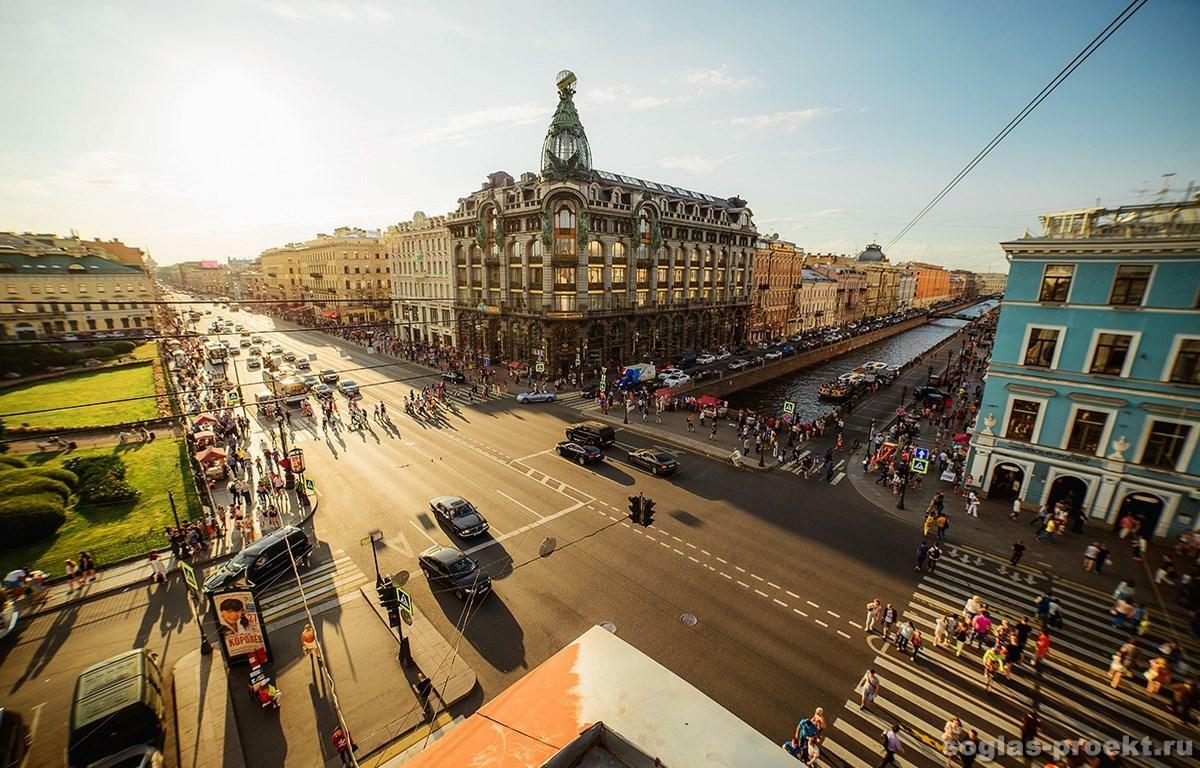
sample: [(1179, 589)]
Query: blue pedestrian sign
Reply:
[(487, 360), (920, 466), (921, 453)]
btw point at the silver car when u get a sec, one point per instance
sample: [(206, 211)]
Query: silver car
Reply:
[(535, 397)]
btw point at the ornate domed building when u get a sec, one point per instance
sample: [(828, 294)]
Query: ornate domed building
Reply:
[(577, 267)]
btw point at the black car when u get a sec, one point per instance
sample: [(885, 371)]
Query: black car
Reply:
[(456, 377), (930, 393), (460, 515), (329, 376), (579, 452), (655, 461), (595, 433), (264, 562), (450, 568)]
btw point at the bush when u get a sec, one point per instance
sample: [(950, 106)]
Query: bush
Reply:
[(26, 519), (12, 474), (101, 479), (120, 347), (27, 486), (12, 461), (95, 353)]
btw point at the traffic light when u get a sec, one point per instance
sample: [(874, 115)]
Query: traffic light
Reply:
[(389, 601), (635, 508), (647, 512)]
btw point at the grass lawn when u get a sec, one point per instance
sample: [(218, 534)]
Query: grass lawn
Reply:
[(86, 387), (146, 351), (115, 531)]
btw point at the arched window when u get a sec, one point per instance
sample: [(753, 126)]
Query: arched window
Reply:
[(644, 227), (596, 252), (564, 231)]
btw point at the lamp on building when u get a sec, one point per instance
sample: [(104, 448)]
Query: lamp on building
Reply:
[(1119, 446)]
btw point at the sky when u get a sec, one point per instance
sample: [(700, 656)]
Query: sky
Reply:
[(215, 130)]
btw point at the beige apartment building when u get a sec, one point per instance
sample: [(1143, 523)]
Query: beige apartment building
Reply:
[(207, 278), (57, 287), (991, 283), (815, 302), (906, 291), (851, 288), (422, 292), (343, 278)]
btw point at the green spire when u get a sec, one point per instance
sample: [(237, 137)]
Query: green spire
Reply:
[(565, 152)]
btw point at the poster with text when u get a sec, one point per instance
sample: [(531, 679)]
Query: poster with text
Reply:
[(238, 619)]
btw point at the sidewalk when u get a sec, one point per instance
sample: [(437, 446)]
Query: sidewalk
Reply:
[(206, 733)]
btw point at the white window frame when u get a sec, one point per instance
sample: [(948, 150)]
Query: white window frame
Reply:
[(1145, 294), (1074, 273), (1136, 341), (1176, 345), (1104, 436), (1189, 445), (1058, 346), (1037, 425)]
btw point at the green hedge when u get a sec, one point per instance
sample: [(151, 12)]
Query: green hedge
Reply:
[(8, 475), (95, 353), (26, 519), (29, 486), (120, 346), (13, 461), (101, 479)]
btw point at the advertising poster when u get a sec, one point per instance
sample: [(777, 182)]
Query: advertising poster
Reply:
[(239, 624)]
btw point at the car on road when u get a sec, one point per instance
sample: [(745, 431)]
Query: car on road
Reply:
[(595, 433), (348, 388), (679, 379), (457, 377), (739, 364), (535, 397), (667, 373), (244, 343), (277, 348), (452, 569), (706, 373), (311, 382), (302, 364), (724, 354), (253, 363), (262, 563), (322, 391), (329, 376), (289, 356), (234, 351), (706, 359), (579, 453), (460, 515), (256, 339), (656, 461), (774, 354)]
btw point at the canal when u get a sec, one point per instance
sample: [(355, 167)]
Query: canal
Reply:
[(801, 387)]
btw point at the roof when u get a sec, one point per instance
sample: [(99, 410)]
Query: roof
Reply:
[(873, 252), (601, 679), (815, 276), (23, 257), (620, 179)]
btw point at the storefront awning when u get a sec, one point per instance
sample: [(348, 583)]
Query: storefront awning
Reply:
[(300, 308), (330, 313)]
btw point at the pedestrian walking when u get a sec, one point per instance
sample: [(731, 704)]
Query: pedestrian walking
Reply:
[(1048, 531), (972, 504), (922, 553), (932, 557), (1018, 550), (1089, 556), (308, 642), (344, 745), (968, 749), (1101, 559), (1016, 509), (691, 427), (87, 568), (712, 435), (874, 611), (891, 745), (952, 734), (890, 614), (868, 688), (72, 571)]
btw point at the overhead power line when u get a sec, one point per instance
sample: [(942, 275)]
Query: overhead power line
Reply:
[(1064, 73)]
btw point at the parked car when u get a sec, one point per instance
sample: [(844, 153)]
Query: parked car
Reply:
[(452, 569), (774, 354), (329, 376), (739, 364), (458, 513), (655, 461), (787, 350), (535, 397), (244, 343), (118, 713), (579, 453), (348, 388), (680, 379), (264, 562), (724, 354), (706, 359)]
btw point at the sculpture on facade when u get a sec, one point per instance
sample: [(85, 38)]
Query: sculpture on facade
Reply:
[(547, 232), (566, 153), (582, 231)]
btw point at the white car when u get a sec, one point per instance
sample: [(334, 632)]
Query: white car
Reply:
[(724, 355), (667, 373), (679, 380), (774, 354), (706, 359), (535, 397)]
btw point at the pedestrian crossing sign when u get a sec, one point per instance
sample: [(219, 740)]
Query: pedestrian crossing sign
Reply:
[(310, 486), (234, 397), (920, 466), (540, 367), (405, 602), (789, 406)]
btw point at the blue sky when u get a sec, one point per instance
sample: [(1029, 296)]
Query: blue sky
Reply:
[(217, 129)]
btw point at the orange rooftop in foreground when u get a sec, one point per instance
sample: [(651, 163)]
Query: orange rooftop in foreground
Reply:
[(601, 703)]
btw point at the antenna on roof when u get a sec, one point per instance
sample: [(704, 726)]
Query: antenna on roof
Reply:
[(1166, 187)]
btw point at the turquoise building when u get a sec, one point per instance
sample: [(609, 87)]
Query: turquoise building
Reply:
[(1092, 395)]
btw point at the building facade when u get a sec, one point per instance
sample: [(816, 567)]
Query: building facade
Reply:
[(343, 278), (576, 267), (991, 283), (1093, 393), (851, 289), (422, 293), (778, 268), (59, 287), (207, 278), (882, 294), (932, 283), (816, 302), (906, 291)]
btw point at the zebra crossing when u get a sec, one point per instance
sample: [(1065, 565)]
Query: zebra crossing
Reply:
[(1071, 694), (324, 586)]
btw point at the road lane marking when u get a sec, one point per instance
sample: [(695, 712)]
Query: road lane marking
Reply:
[(726, 575), (843, 634), (831, 613), (802, 613), (823, 624), (673, 536), (422, 531), (756, 576), (693, 546), (773, 584), (664, 544), (743, 584), (524, 528), (520, 504), (856, 625), (722, 560), (764, 594), (838, 478), (776, 599), (651, 538), (810, 602), (677, 551), (706, 553), (740, 568), (530, 456), (792, 594), (694, 560)]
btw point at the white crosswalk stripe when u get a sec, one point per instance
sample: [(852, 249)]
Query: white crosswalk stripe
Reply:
[(1072, 694), (324, 585)]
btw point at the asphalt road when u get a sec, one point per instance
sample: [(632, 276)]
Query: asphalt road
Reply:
[(40, 663), (774, 569)]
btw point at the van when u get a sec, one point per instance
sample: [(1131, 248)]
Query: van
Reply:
[(264, 562), (117, 713), (592, 433)]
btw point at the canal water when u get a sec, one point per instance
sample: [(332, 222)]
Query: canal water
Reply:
[(801, 387)]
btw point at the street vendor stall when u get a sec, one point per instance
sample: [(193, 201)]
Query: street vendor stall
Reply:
[(212, 463), (710, 404), (204, 438)]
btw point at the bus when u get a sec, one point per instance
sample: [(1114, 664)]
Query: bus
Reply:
[(283, 384), (216, 352)]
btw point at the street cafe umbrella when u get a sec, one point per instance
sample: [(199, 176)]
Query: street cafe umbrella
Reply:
[(663, 392), (209, 455), (962, 437), (708, 400)]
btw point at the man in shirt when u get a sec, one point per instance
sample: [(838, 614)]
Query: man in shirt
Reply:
[(891, 746)]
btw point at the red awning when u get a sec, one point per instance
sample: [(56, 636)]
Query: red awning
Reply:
[(663, 392), (330, 313), (707, 400)]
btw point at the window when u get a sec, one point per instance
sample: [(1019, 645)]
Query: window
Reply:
[(1129, 286), (1165, 445), (1022, 420), (1043, 342), (1056, 282), (1186, 368), (595, 275), (1087, 431), (1109, 357), (618, 276)]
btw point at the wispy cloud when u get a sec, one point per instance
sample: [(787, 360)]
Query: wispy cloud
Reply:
[(652, 102), (305, 11), (694, 163), (788, 120), (720, 79), (100, 169), (829, 212), (461, 128)]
